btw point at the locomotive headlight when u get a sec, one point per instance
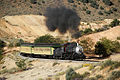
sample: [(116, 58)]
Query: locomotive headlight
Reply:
[(79, 49)]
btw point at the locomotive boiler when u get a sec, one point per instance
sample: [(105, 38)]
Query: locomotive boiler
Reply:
[(58, 51)]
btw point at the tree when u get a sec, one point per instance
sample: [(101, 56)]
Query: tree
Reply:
[(106, 47), (47, 39)]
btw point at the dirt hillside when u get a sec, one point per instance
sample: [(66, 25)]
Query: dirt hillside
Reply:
[(27, 27), (111, 34)]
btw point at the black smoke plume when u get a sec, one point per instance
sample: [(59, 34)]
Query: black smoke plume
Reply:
[(62, 18)]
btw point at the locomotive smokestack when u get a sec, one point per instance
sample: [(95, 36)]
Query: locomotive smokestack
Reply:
[(62, 18)]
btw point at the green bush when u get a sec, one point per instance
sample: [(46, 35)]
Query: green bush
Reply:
[(88, 31), (112, 64), (47, 39), (118, 38), (105, 47), (114, 75), (115, 22), (84, 1), (2, 44), (72, 75), (114, 9), (105, 27), (100, 13), (88, 12), (19, 42), (70, 1), (115, 65), (21, 64), (107, 63), (1, 56), (92, 78), (15, 42), (33, 1), (108, 12), (86, 74), (116, 46), (101, 8), (94, 4), (99, 77), (107, 2)]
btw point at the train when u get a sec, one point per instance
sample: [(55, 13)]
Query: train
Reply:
[(53, 50)]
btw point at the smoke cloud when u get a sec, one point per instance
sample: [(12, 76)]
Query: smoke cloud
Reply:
[(62, 18)]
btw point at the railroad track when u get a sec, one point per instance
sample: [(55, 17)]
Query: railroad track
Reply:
[(43, 58)]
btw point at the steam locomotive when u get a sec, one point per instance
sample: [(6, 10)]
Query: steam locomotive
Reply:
[(58, 51)]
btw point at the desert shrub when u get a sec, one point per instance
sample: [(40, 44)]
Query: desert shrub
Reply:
[(88, 11), (84, 8), (112, 64), (88, 31), (2, 44), (94, 4), (118, 38), (72, 75), (33, 1), (116, 46), (107, 63), (108, 12), (115, 22), (105, 27), (114, 9), (107, 2), (84, 1), (3, 71), (86, 65), (15, 42), (86, 74), (47, 39), (115, 65), (100, 13), (87, 45), (55, 63), (101, 8), (105, 47), (1, 55), (91, 67), (118, 0), (21, 64), (19, 42), (114, 75), (92, 78), (99, 76), (70, 1)]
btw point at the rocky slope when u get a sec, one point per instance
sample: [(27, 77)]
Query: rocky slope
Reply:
[(88, 11)]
